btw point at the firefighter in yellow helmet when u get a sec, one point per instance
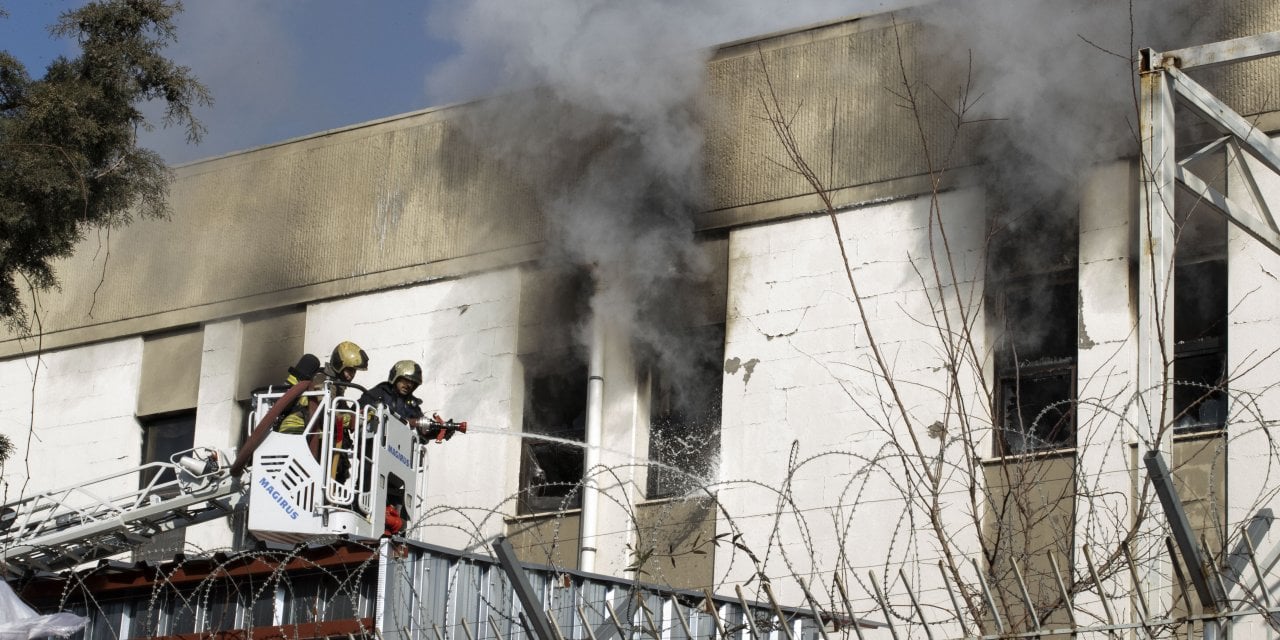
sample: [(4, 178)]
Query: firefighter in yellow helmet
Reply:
[(347, 358)]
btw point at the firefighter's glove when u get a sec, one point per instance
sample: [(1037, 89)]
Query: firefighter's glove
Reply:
[(448, 433)]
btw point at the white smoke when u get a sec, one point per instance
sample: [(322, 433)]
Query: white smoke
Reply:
[(602, 111), (1056, 78)]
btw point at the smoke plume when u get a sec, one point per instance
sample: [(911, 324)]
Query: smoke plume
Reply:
[(602, 111), (602, 114), (1057, 81)]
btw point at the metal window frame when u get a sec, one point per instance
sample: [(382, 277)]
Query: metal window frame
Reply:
[(1031, 374)]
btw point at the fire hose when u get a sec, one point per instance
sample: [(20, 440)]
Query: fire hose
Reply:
[(265, 424)]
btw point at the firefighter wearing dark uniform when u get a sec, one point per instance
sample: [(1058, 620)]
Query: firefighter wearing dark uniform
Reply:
[(396, 394)]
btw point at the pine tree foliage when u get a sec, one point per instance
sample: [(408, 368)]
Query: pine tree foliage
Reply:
[(69, 159)]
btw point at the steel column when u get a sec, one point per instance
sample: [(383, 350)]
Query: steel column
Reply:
[(1156, 237)]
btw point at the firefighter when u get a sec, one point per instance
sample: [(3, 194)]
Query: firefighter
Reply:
[(397, 392), (347, 358)]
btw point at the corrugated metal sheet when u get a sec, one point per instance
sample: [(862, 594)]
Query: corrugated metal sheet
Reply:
[(414, 592), (473, 589), (1251, 87)]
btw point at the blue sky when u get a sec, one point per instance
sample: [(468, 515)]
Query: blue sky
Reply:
[(279, 69)]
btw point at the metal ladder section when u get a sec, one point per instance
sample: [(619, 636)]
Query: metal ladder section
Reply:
[(58, 530)]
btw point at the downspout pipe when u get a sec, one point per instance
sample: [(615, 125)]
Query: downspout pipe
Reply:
[(591, 453)]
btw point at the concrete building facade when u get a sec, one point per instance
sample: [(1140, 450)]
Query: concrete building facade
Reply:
[(929, 373)]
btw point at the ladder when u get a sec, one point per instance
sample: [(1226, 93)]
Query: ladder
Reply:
[(57, 530)]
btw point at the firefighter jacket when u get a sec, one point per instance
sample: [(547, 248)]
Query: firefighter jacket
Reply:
[(407, 408), (295, 418)]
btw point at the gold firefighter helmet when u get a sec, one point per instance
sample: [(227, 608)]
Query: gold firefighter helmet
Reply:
[(348, 354), (407, 369)]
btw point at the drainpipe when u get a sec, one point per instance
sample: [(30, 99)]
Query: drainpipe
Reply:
[(591, 456)]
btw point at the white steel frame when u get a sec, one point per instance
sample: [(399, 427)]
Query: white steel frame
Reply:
[(1164, 169)]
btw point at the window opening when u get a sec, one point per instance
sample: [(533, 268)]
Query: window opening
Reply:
[(163, 436), (1200, 346), (223, 602), (183, 617), (338, 594), (1033, 276), (1200, 306), (1036, 364), (555, 406), (684, 416), (106, 621), (150, 619), (1033, 304), (554, 304), (263, 610)]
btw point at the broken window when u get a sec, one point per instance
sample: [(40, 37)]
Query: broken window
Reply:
[(1033, 305), (1200, 346), (681, 358), (1200, 321), (684, 416), (1036, 364), (554, 412), (1033, 275), (552, 308), (1200, 306)]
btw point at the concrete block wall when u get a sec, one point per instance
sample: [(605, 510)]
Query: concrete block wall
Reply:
[(462, 331), (85, 425), (1253, 364), (1106, 365), (808, 470), (82, 426)]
